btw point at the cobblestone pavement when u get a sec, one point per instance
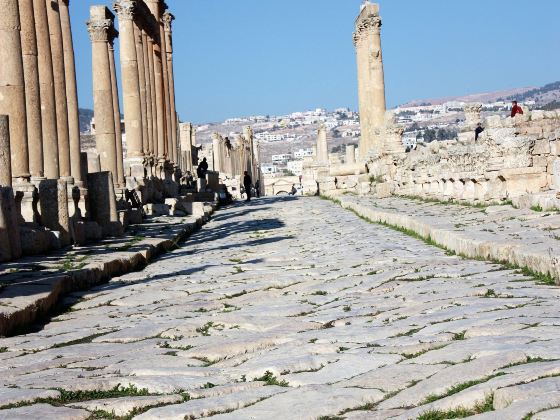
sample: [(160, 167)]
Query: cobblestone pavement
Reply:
[(295, 309)]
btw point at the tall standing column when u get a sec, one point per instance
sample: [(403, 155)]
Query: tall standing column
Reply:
[(57, 52), (12, 89), (71, 93), (371, 81), (148, 80), (46, 90), (168, 19), (185, 135), (167, 104), (119, 179), (160, 104), (159, 107), (155, 123), (99, 28), (126, 10), (322, 146), (142, 87), (32, 95)]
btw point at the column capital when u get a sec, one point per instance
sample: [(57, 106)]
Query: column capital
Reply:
[(101, 30), (125, 9), (167, 19), (369, 22)]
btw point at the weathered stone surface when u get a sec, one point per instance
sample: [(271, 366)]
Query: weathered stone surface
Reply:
[(299, 309), (124, 406), (44, 411), (10, 396)]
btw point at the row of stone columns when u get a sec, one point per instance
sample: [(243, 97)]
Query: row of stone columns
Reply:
[(39, 108), (40, 83), (233, 159)]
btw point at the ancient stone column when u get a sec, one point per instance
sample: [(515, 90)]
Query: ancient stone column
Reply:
[(168, 19), (126, 10), (371, 82), (5, 158), (155, 112), (350, 154), (59, 73), (32, 95), (142, 86), (158, 108), (46, 88), (473, 114), (322, 146), (216, 152), (119, 179), (185, 135), (71, 93), (148, 78), (12, 89), (100, 27), (166, 98)]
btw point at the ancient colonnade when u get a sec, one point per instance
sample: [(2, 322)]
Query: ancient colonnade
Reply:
[(232, 159), (50, 194)]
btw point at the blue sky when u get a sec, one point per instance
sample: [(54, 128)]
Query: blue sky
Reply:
[(246, 57)]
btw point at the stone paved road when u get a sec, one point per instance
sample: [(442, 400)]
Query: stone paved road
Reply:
[(295, 309)]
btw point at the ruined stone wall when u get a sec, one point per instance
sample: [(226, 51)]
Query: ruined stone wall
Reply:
[(514, 160)]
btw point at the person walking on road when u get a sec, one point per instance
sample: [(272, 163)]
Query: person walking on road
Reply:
[(247, 183)]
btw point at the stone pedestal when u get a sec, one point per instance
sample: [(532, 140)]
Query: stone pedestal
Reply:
[(53, 196), (103, 203), (10, 243)]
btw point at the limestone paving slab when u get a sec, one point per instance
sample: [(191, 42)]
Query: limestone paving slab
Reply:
[(296, 308)]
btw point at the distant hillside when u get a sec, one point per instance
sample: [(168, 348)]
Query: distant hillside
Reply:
[(85, 120), (541, 95)]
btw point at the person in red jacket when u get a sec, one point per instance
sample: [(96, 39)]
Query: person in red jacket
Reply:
[(516, 109)]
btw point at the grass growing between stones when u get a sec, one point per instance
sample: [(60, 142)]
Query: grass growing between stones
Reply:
[(69, 397), (460, 387), (270, 379), (460, 413)]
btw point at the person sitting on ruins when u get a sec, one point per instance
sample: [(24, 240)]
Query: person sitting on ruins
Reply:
[(516, 109), (202, 168), (247, 183), (478, 131), (294, 190)]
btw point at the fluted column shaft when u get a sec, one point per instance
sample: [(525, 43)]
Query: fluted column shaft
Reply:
[(167, 106), (12, 88), (116, 117), (148, 82), (99, 28), (57, 52), (168, 20), (155, 121), (142, 87), (46, 90), (71, 93), (126, 10), (32, 89)]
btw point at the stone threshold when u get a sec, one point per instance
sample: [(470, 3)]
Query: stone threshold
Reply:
[(33, 287), (539, 257)]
